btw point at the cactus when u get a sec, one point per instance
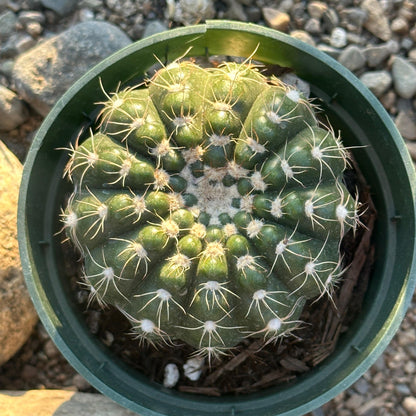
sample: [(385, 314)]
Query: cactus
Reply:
[(209, 206)]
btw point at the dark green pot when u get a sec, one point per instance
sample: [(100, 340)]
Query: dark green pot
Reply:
[(382, 157)]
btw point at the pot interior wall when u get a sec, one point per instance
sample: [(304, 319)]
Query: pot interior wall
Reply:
[(379, 151)]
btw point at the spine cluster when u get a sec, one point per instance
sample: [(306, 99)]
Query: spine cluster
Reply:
[(209, 205)]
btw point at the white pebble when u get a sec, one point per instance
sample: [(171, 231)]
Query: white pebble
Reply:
[(193, 368), (171, 375)]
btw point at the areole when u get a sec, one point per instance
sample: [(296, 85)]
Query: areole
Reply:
[(381, 155)]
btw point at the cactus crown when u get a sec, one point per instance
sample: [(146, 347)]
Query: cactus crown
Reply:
[(209, 205)]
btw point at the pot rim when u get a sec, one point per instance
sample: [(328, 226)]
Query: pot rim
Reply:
[(250, 403)]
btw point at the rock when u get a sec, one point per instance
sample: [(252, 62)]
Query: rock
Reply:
[(377, 81), (235, 11), (62, 7), (8, 21), (361, 386), (330, 20), (400, 26), (34, 29), (189, 12), (352, 57), (409, 403), (28, 16), (313, 25), (17, 315), (59, 403), (13, 111), (406, 124), (404, 77), (329, 50), (152, 27), (377, 54), (303, 36), (338, 38), (353, 19), (45, 72), (354, 402), (276, 19), (377, 22), (316, 9)]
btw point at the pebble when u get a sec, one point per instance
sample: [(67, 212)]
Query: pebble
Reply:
[(190, 12), (62, 7), (316, 9), (409, 403), (152, 27), (353, 58), (400, 26), (45, 72), (8, 21), (17, 315), (338, 38), (377, 81), (406, 124), (313, 26), (13, 111), (404, 77), (303, 36), (276, 19), (377, 22), (353, 19), (235, 11), (171, 375), (377, 54), (193, 368)]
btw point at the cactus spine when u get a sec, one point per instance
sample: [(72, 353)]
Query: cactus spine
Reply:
[(209, 206)]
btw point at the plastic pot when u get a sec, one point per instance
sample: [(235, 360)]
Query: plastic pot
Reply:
[(382, 157)]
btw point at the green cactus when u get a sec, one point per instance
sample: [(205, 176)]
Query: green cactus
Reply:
[(209, 206)]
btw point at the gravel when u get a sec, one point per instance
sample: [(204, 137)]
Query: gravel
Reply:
[(374, 39)]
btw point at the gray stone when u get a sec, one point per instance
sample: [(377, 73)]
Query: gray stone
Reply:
[(377, 22), (353, 19), (59, 403), (402, 389), (377, 54), (152, 27), (330, 20), (352, 57), (6, 67), (406, 124), (313, 25), (235, 11), (13, 111), (329, 50), (190, 12), (62, 7), (361, 386), (404, 77), (8, 21), (28, 16), (338, 38), (85, 15), (17, 315), (377, 81), (44, 73)]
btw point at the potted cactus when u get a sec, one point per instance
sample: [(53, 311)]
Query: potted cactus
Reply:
[(208, 205)]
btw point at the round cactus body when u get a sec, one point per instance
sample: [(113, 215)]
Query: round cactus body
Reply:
[(209, 206)]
